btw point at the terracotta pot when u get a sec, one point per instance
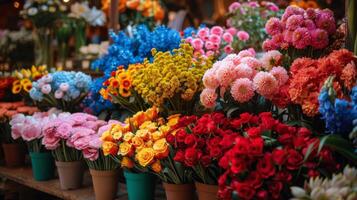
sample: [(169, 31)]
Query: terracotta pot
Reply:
[(206, 192), (179, 191), (70, 174), (105, 184), (14, 155)]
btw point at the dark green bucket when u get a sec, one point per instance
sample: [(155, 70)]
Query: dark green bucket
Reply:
[(140, 186), (43, 166)]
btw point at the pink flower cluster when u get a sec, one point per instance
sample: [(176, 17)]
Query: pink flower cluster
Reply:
[(79, 130), (243, 75), (31, 127), (216, 40), (300, 29)]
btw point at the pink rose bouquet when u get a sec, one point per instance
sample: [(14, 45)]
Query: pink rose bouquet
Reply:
[(216, 41), (300, 33), (242, 79), (71, 135), (30, 128)]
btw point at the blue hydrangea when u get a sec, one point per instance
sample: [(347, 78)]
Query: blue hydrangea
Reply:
[(338, 114), (127, 50)]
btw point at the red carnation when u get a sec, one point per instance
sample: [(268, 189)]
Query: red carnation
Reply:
[(190, 140), (265, 166), (256, 146), (254, 131), (242, 145), (238, 165)]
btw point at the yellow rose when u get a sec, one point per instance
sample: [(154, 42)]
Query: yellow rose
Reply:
[(157, 135), (149, 143), (173, 120), (117, 134), (164, 129), (125, 149), (161, 148), (127, 162), (109, 148), (145, 156), (151, 126), (137, 142), (156, 166), (128, 136), (142, 133)]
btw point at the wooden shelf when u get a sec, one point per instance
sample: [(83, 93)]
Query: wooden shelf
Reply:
[(24, 177)]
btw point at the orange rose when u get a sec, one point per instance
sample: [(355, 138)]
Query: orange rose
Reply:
[(145, 156), (137, 142), (127, 162), (161, 148), (156, 166), (109, 148), (173, 120), (125, 149)]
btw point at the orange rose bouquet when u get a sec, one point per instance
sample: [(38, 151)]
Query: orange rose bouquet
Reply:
[(140, 146)]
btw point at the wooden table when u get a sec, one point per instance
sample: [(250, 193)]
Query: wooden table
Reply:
[(24, 177)]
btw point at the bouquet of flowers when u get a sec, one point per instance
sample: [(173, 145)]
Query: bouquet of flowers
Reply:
[(340, 186), (172, 81), (25, 77), (7, 111), (140, 146), (67, 134), (135, 12), (119, 89), (267, 156), (309, 76), (300, 33), (243, 82), (200, 142), (216, 41), (30, 128), (251, 17), (64, 90)]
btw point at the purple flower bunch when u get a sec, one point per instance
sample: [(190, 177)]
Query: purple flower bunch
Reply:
[(300, 29)]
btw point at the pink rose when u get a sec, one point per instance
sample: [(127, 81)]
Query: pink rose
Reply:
[(203, 33), (32, 130), (227, 37), (197, 44), (242, 35), (215, 39), (232, 31), (216, 30), (91, 154), (188, 40), (209, 45)]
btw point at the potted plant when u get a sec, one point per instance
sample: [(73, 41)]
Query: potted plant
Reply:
[(30, 129), (60, 136), (103, 169)]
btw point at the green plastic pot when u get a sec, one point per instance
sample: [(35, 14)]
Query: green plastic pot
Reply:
[(140, 186), (43, 166)]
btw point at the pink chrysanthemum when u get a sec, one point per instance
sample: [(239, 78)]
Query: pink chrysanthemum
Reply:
[(242, 90), (309, 24), (225, 73), (291, 10), (265, 84), (327, 22), (271, 59), (319, 38), (278, 39), (310, 14), (288, 36), (252, 62), (268, 45), (245, 53), (208, 97), (209, 79), (301, 38), (233, 58), (242, 35), (294, 22), (280, 74), (217, 30), (243, 71), (273, 26)]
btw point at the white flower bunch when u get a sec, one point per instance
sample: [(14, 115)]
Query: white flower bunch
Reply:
[(92, 16), (341, 186)]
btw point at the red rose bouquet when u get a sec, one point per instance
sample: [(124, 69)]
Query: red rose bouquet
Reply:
[(268, 156), (200, 142)]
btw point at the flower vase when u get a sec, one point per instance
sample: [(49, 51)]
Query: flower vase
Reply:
[(105, 184), (206, 192), (179, 191), (80, 35), (43, 48), (14, 154), (43, 166), (140, 186), (70, 174)]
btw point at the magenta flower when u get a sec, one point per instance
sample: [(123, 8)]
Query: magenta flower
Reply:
[(319, 38), (294, 22), (301, 38), (203, 33), (309, 24), (273, 26), (327, 22)]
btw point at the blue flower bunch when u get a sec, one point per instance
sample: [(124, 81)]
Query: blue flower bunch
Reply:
[(338, 114), (127, 50), (60, 88)]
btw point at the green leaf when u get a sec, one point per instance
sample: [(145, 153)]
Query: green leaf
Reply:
[(309, 150), (322, 143)]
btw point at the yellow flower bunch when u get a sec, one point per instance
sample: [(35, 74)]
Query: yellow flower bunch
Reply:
[(141, 142), (171, 76), (25, 77)]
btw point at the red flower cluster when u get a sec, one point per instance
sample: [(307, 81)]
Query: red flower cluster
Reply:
[(309, 75), (202, 141), (267, 155), (5, 86)]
